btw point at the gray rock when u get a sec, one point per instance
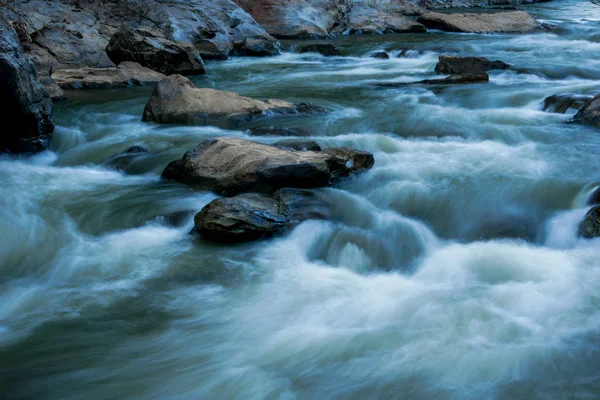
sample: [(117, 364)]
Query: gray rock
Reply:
[(298, 145), (501, 22), (122, 161), (127, 74), (590, 114), (566, 103), (229, 166), (274, 131), (325, 49), (177, 101), (380, 54), (589, 228), (25, 102), (450, 65)]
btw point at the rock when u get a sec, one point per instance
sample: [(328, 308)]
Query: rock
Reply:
[(590, 114), (380, 54), (298, 145), (127, 74), (177, 218), (450, 80), (258, 48), (148, 49), (566, 103), (590, 226), (274, 131), (177, 101), (594, 197), (327, 50), (229, 166), (253, 216), (410, 53), (501, 22), (123, 160), (26, 104), (450, 65)]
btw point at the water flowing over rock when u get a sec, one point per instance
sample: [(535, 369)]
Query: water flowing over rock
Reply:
[(590, 226), (229, 166), (566, 103), (325, 49), (177, 101), (298, 145), (127, 74), (25, 102), (501, 22), (590, 114), (147, 48), (450, 80), (467, 65)]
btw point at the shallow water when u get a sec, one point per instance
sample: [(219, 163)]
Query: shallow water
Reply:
[(453, 272)]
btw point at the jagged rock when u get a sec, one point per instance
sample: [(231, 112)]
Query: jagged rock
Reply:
[(253, 216), (566, 103), (127, 74), (450, 80), (381, 54), (298, 145), (327, 50), (590, 226), (26, 104), (229, 166), (149, 49), (450, 65), (274, 131), (177, 101), (515, 22), (590, 114)]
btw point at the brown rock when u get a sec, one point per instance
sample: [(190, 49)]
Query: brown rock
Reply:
[(451, 65), (450, 80), (501, 22), (127, 74)]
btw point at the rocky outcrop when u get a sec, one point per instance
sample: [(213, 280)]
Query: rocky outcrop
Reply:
[(229, 166), (566, 103), (450, 65), (147, 48), (590, 114), (325, 49), (127, 74), (590, 226), (254, 216), (450, 80), (501, 22), (26, 105), (177, 101)]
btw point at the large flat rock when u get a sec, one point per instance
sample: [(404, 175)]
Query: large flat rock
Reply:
[(501, 22), (127, 74)]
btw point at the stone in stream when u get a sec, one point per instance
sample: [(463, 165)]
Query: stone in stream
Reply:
[(451, 65), (298, 145), (26, 104), (566, 103), (590, 226), (254, 47), (123, 160), (127, 74), (275, 131), (590, 114), (177, 101), (327, 49), (450, 80), (253, 216), (501, 22), (229, 166), (147, 48), (594, 198), (381, 54)]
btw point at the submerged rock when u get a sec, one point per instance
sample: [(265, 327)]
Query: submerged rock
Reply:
[(123, 160), (327, 50), (26, 104), (257, 47), (450, 80), (501, 22), (229, 166), (566, 103), (275, 131), (127, 74), (590, 226), (590, 114), (450, 65), (147, 48), (177, 101), (253, 216), (380, 54)]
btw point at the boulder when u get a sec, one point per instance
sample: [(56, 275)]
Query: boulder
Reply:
[(127, 74), (381, 54), (26, 104), (566, 103), (594, 197), (147, 48), (450, 80), (298, 145), (254, 47), (590, 114), (253, 216), (450, 65), (274, 131), (229, 166), (590, 226), (325, 49), (501, 22), (177, 101)]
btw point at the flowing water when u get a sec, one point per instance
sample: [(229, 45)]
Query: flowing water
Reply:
[(452, 272)]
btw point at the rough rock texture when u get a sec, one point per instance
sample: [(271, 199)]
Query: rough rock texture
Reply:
[(254, 216), (74, 34), (516, 22), (26, 105), (177, 101), (590, 226), (127, 74), (325, 49), (147, 48), (477, 3), (467, 65), (450, 80), (590, 114), (229, 166), (566, 103), (122, 161), (298, 145)]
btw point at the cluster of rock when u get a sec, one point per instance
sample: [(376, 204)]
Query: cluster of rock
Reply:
[(585, 107)]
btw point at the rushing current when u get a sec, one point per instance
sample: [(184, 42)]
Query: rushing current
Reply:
[(453, 271)]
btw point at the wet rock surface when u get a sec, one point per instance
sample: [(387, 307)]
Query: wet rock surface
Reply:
[(452, 65), (450, 80), (590, 114), (127, 74), (501, 22), (590, 226)]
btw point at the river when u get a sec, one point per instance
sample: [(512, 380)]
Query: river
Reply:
[(453, 271)]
